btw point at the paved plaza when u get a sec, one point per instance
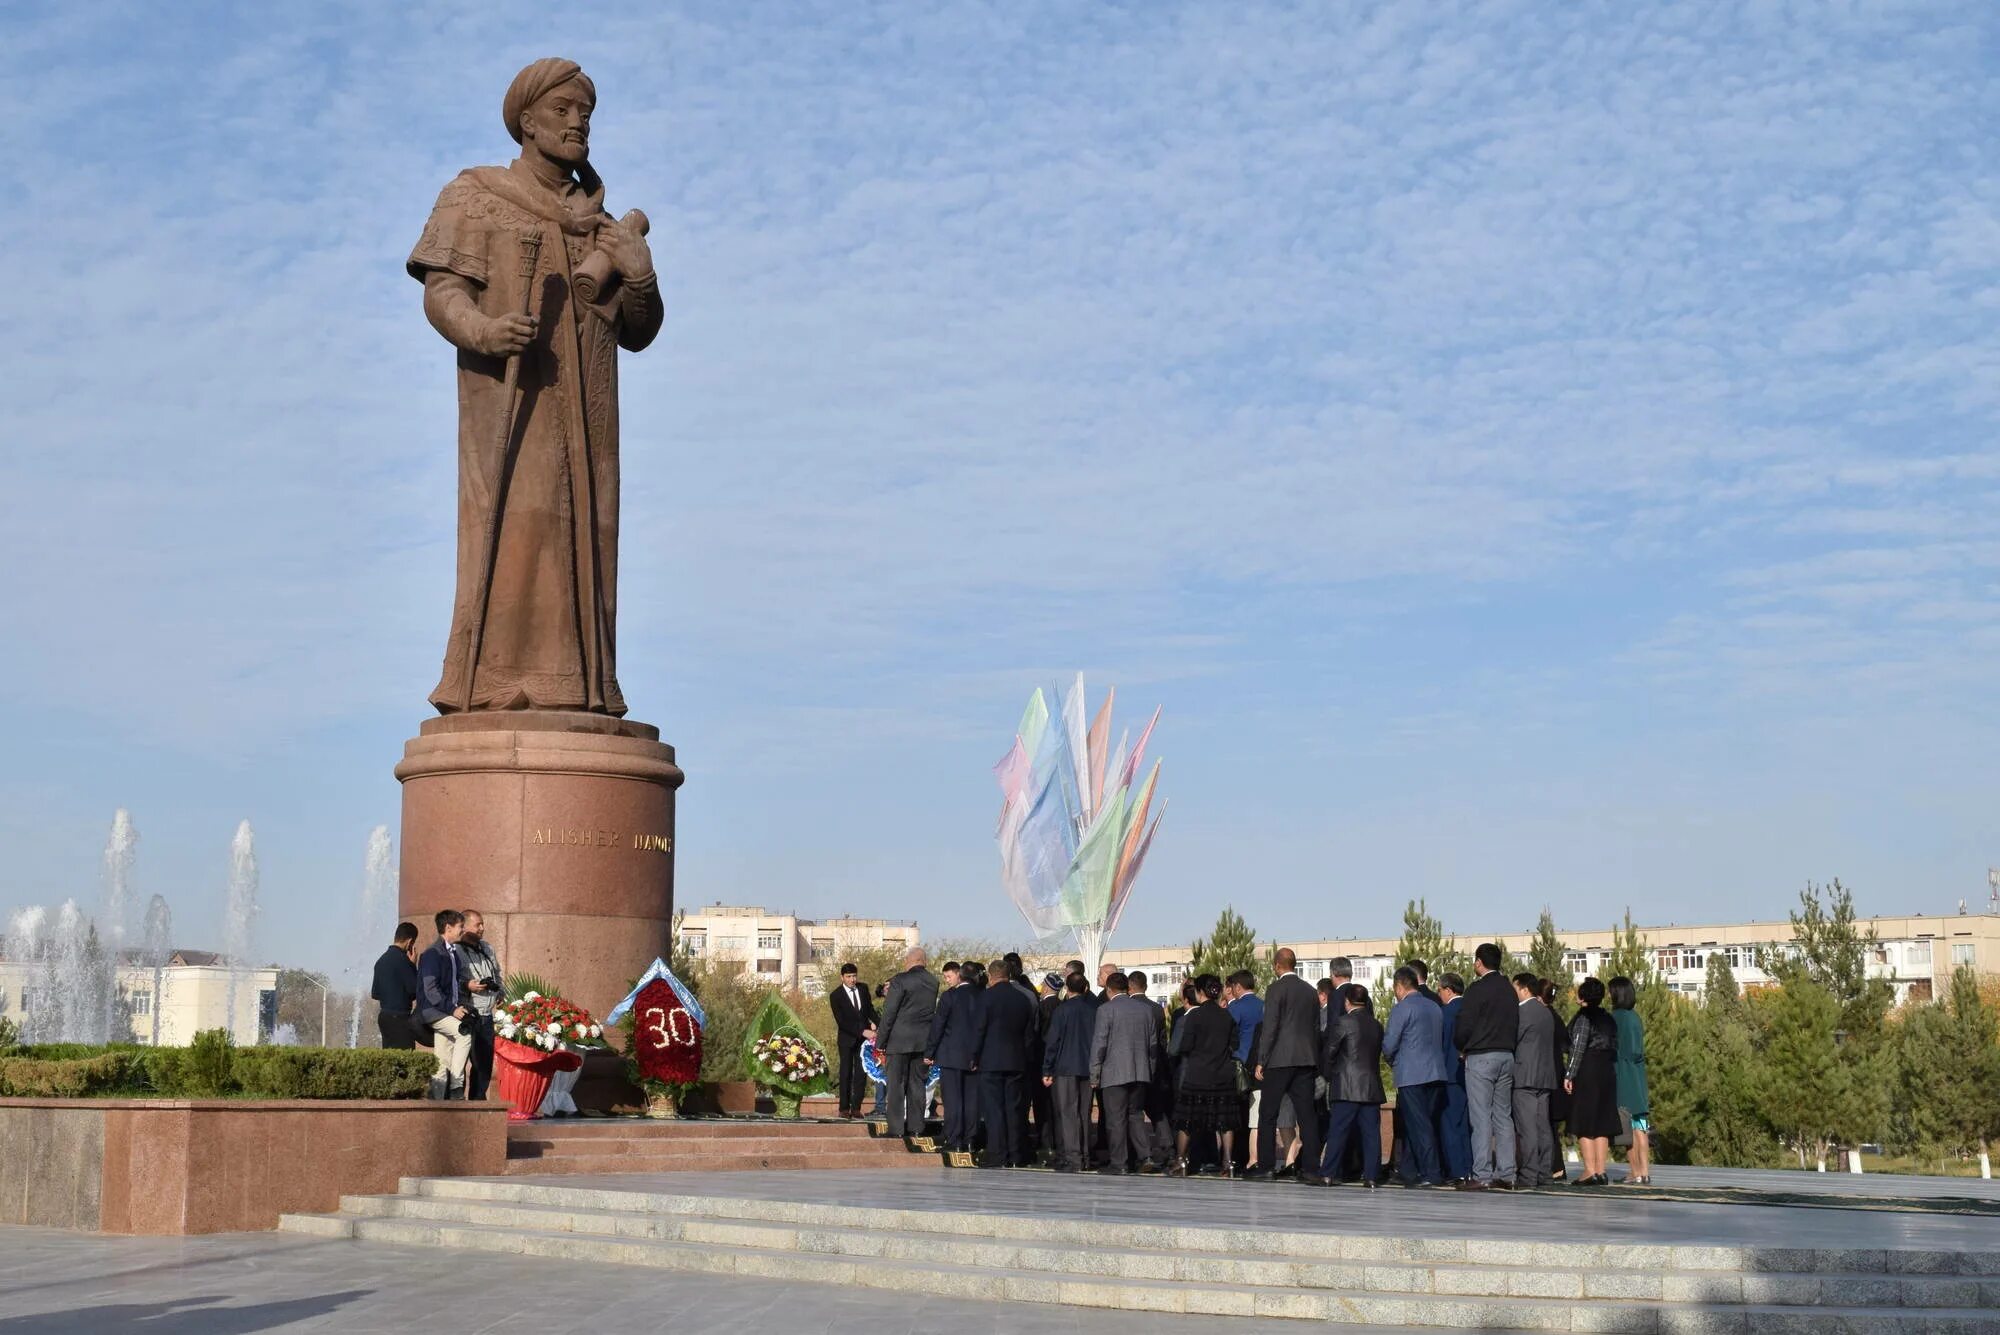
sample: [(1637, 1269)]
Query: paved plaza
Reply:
[(54, 1283), (232, 1284)]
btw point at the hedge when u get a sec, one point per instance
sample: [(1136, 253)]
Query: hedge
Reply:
[(211, 1068)]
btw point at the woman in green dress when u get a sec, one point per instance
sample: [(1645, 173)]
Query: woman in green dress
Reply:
[(1634, 1108)]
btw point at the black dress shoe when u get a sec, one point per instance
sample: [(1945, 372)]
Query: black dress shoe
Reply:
[(1470, 1184), (1257, 1175), (1289, 1170), (1367, 1184), (1313, 1180), (1501, 1184)]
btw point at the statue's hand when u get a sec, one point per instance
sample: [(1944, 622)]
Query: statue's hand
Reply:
[(626, 245), (505, 336)]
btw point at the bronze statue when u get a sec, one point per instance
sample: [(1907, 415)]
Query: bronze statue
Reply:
[(537, 287)]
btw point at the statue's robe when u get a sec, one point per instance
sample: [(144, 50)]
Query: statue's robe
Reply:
[(538, 511)]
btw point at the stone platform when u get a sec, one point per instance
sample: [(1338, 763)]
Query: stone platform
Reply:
[(640, 1145), (1563, 1259), (559, 827)]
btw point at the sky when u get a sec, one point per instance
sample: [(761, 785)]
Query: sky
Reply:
[(1534, 455)]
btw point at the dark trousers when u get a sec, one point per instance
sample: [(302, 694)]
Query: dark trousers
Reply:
[(1346, 1122), (1006, 1113), (851, 1076), (1125, 1128), (479, 1072), (1454, 1132), (1294, 1083), (1421, 1105), (907, 1074), (1536, 1137), (960, 1091), (1040, 1102), (1070, 1098), (399, 1032)]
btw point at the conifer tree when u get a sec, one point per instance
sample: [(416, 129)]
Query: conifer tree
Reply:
[(1803, 1086), (1424, 939), (1834, 953), (1547, 955), (1229, 947), (1720, 994), (1947, 1068)]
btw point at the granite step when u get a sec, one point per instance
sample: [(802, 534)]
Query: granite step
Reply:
[(1159, 1295), (1258, 1269), (1187, 1237), (677, 1129), (787, 1156), (597, 1146)]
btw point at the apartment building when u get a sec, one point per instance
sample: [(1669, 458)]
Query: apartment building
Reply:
[(783, 948), (1917, 954)]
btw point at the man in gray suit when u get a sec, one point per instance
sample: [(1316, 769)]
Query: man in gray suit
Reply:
[(1124, 1057), (1287, 1062), (900, 1036), (1535, 1077)]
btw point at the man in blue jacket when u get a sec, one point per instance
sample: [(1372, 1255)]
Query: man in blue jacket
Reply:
[(1414, 1045), (441, 1004), (1454, 1126), (1066, 1069), (950, 1048)]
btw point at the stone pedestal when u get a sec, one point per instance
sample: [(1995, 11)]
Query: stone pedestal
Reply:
[(559, 828)]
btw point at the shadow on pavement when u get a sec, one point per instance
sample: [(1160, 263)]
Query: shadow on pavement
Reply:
[(179, 1316)]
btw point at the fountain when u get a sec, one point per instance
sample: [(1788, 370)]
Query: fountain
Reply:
[(159, 946), (24, 943), (240, 918), (378, 893), (119, 854)]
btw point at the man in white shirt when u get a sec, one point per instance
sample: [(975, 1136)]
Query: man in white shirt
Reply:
[(854, 1016)]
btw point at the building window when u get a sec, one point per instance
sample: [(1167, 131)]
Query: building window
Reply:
[(1691, 959), (822, 947), (694, 943), (1919, 952), (1961, 953), (772, 967), (27, 999), (142, 1003), (1578, 962), (1313, 970), (1665, 960), (770, 940), (892, 943), (733, 946)]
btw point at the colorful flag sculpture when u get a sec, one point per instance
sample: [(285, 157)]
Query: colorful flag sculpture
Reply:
[(1073, 831)]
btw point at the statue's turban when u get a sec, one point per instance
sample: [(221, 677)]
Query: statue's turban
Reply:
[(544, 76)]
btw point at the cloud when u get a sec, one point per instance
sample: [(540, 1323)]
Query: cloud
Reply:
[(1007, 337)]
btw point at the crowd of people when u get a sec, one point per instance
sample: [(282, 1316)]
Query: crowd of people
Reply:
[(443, 999), (1488, 1076)]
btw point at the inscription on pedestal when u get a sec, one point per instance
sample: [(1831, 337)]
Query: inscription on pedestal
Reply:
[(563, 836)]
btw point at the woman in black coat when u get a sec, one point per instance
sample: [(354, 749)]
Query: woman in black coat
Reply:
[(1593, 1082), (1206, 1101)]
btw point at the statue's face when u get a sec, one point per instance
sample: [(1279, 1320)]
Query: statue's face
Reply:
[(559, 124)]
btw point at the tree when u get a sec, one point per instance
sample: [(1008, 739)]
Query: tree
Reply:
[(300, 1006), (1834, 953), (1947, 1067), (1817, 1091), (1230, 947), (1630, 957), (1719, 993), (1424, 939), (1548, 957)]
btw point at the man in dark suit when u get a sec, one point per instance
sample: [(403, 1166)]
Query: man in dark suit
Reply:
[(854, 1017), (1485, 1034), (1066, 1049), (1124, 1055), (1160, 1094), (1287, 1059), (951, 1048), (901, 1036), (1352, 1064), (1535, 1077), (1004, 1032), (395, 990)]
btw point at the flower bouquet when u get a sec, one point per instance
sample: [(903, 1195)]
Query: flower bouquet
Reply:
[(537, 1042), (783, 1058)]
